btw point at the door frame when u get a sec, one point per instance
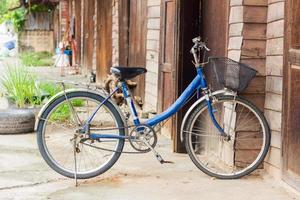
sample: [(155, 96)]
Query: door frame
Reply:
[(180, 80), (175, 62), (289, 55)]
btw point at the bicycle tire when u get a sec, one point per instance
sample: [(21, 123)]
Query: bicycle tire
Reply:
[(189, 146), (41, 140)]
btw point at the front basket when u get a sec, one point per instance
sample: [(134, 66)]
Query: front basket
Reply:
[(223, 73)]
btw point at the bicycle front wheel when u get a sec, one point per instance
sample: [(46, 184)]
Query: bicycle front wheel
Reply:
[(59, 124), (233, 157)]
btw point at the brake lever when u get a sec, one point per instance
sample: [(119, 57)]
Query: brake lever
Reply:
[(206, 48)]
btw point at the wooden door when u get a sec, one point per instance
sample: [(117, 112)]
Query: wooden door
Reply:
[(166, 89), (194, 18), (214, 24), (88, 34), (137, 41), (133, 38), (104, 39), (291, 90), (77, 38)]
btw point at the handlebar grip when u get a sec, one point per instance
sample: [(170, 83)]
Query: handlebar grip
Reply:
[(196, 39)]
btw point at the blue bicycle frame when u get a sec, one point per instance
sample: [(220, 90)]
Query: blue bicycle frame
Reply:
[(199, 82)]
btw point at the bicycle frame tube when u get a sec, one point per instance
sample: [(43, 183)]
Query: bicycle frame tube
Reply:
[(198, 82)]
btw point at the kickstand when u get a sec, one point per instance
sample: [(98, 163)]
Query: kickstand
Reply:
[(75, 162), (157, 155)]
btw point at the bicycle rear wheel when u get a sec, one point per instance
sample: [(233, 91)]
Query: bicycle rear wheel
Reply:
[(215, 155), (56, 134)]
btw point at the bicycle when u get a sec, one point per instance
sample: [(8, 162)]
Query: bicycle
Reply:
[(81, 132)]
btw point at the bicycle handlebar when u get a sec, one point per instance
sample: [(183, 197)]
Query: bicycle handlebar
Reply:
[(198, 45)]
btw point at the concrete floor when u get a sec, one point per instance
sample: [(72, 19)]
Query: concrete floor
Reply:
[(24, 175)]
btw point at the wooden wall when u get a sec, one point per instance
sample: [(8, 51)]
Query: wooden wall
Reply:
[(274, 81), (247, 44)]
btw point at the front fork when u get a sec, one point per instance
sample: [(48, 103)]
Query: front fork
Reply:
[(211, 113)]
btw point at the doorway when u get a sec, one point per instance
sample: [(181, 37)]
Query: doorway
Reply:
[(181, 21)]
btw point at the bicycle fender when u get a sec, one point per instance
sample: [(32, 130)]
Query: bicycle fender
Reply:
[(62, 93), (198, 102)]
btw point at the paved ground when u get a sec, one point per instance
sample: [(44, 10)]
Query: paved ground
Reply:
[(42, 73), (24, 175)]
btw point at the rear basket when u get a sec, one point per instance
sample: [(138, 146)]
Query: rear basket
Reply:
[(223, 73)]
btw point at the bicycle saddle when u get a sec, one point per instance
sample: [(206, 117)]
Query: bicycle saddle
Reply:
[(126, 73)]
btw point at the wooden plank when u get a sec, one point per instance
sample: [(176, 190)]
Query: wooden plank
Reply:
[(78, 14), (250, 142), (246, 156), (257, 99), (104, 39), (255, 2), (88, 34), (255, 14), (257, 85), (123, 32), (254, 49), (137, 42), (254, 31), (259, 64), (295, 40)]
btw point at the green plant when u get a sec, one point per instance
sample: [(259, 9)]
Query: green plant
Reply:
[(20, 86), (63, 113), (49, 89), (43, 58)]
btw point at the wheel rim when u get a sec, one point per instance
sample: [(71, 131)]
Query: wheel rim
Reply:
[(58, 131), (218, 156)]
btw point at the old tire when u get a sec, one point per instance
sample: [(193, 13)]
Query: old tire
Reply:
[(16, 121)]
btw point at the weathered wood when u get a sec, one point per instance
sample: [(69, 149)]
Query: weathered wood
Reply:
[(246, 156), (166, 89), (259, 64), (294, 56), (250, 143), (254, 31), (88, 34), (254, 49), (295, 40), (104, 39), (255, 2), (257, 85), (257, 99), (77, 15), (42, 21), (137, 41), (123, 32), (255, 14)]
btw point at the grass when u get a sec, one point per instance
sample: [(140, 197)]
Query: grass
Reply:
[(20, 86), (22, 89), (34, 59), (63, 113)]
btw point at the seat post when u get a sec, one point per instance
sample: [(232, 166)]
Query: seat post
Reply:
[(129, 101)]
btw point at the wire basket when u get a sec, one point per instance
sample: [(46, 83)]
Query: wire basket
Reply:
[(223, 73)]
